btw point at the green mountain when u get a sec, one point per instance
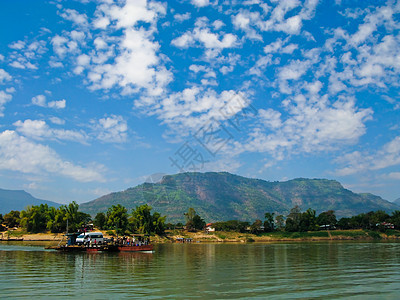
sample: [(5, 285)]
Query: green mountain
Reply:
[(19, 200), (224, 196)]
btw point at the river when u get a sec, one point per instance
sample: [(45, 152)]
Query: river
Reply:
[(359, 270)]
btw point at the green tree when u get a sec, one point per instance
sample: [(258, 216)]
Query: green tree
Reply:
[(291, 225), (34, 218), (158, 223), (344, 223), (395, 219), (231, 225), (255, 228), (308, 221), (2, 227), (142, 220), (293, 219), (198, 222), (280, 222), (327, 218), (75, 218), (100, 220), (117, 218), (193, 220), (12, 219), (57, 219), (269, 224)]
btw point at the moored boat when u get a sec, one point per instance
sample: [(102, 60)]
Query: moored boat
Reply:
[(141, 244)]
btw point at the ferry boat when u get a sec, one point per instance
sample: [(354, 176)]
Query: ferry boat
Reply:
[(138, 244)]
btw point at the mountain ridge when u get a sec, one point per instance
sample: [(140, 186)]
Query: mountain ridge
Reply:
[(218, 196), (19, 200)]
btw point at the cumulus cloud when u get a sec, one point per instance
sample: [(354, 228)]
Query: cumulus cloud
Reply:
[(182, 17), (4, 76), (112, 129), (129, 61), (40, 100), (205, 37), (26, 54), (309, 127), (17, 153), (60, 104), (194, 107), (356, 162), (39, 130), (283, 17), (200, 3), (75, 17), (4, 98)]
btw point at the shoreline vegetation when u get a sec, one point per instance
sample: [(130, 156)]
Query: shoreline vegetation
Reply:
[(172, 236), (43, 223)]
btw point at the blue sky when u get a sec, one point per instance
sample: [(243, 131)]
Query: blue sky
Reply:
[(95, 96)]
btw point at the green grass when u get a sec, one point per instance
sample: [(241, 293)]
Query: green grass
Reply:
[(349, 233), (221, 236), (15, 233), (374, 234), (296, 235), (392, 232)]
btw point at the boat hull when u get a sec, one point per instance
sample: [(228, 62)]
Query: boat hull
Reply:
[(104, 248), (127, 248)]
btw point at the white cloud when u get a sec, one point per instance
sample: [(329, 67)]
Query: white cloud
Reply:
[(111, 129), (200, 3), (17, 153), (182, 17), (39, 100), (18, 45), (309, 125), (4, 98), (202, 34), (39, 130), (57, 104), (25, 54), (357, 162), (278, 47), (129, 61), (57, 121), (184, 41), (75, 17), (187, 111), (4, 76)]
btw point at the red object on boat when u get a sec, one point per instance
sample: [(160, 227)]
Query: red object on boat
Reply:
[(135, 248)]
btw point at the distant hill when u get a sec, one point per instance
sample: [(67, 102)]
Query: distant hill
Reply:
[(397, 201), (224, 196), (19, 200)]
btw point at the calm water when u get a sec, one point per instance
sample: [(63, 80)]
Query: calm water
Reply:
[(206, 271)]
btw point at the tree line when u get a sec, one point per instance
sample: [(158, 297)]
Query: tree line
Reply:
[(40, 218), (298, 221)]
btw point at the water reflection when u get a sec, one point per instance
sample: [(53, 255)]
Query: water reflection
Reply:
[(281, 270)]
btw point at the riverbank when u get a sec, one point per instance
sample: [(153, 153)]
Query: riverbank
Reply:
[(172, 236)]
